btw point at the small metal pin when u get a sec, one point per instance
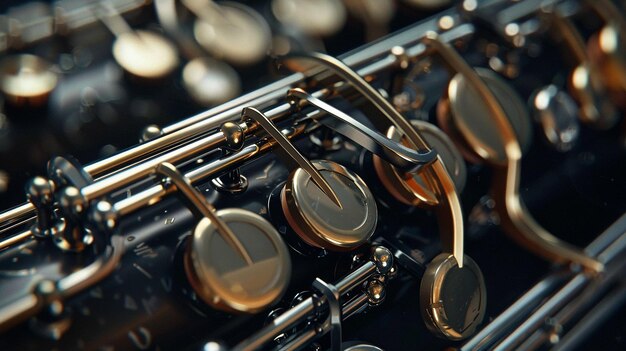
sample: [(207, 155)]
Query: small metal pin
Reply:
[(40, 192), (150, 132), (291, 152), (232, 182), (201, 207), (71, 232)]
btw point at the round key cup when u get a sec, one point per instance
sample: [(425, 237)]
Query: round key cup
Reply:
[(236, 261)]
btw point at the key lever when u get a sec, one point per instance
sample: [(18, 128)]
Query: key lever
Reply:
[(292, 154), (201, 207), (405, 159)]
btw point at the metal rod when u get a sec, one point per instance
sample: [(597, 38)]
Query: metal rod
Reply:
[(591, 293), (605, 244), (158, 191), (301, 340), (593, 320), (403, 158), (230, 111), (357, 276), (355, 305), (298, 312)]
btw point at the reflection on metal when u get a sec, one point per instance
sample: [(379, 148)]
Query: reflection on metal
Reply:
[(245, 271), (292, 153), (440, 183), (143, 54), (557, 113), (26, 80), (317, 220), (514, 216), (453, 299)]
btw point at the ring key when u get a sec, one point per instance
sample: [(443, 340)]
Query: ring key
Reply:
[(451, 307), (245, 267)]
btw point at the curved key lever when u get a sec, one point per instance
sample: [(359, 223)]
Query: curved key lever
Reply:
[(449, 208), (405, 159), (292, 153), (201, 207), (516, 219)]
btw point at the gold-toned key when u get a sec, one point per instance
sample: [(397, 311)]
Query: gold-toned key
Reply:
[(497, 144), (452, 292), (317, 220), (230, 31), (607, 49), (26, 80), (326, 204), (236, 261), (143, 54), (207, 80), (585, 81)]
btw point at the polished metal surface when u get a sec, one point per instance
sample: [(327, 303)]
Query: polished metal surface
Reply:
[(27, 79), (319, 221), (222, 279), (229, 30), (324, 210), (470, 116), (558, 115), (414, 190), (453, 299)]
